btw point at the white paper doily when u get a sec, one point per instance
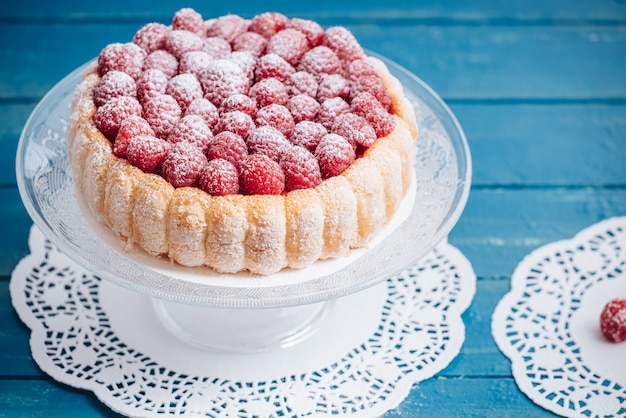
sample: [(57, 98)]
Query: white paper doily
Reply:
[(548, 325), (362, 360)]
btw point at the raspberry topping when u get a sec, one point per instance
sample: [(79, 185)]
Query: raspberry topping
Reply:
[(366, 106), (355, 129), (151, 37), (302, 82), (130, 127), (228, 27), (301, 169), (308, 134), (273, 65), (228, 146), (269, 91), (126, 57), (333, 85), (343, 42), (267, 24), (330, 110), (185, 88), (183, 165), (311, 29), (206, 110), (216, 47), (267, 141), (110, 116), (114, 84), (221, 79), (239, 102), (236, 122), (260, 175), (319, 61), (303, 107), (334, 154), (161, 60), (194, 62), (373, 85), (277, 116), (192, 129), (147, 152), (359, 68), (251, 42), (188, 19), (613, 321), (150, 84), (246, 61), (220, 178), (290, 44), (180, 41), (162, 112)]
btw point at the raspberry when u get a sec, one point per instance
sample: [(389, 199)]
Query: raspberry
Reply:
[(180, 41), (301, 82), (206, 110), (267, 141), (220, 178), (290, 44), (330, 109), (269, 91), (260, 175), (343, 42), (239, 102), (308, 134), (246, 61), (333, 85), (194, 62), (192, 129), (251, 42), (151, 83), (303, 107), (613, 321), (311, 29), (162, 112), (217, 48), (147, 152), (188, 19), (183, 165), (334, 154), (161, 60), (127, 57), (151, 37), (130, 127), (301, 169), (373, 85), (221, 79), (236, 122), (273, 65), (366, 106), (228, 146), (267, 24), (277, 116), (114, 84), (228, 27), (185, 88), (319, 61), (110, 116), (355, 129), (359, 68)]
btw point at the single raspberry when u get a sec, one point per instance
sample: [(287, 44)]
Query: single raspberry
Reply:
[(151, 83), (261, 175), (151, 37), (127, 57), (301, 169), (273, 65), (267, 141), (180, 41), (217, 48), (162, 112), (220, 178), (613, 321), (343, 42), (228, 27), (246, 61), (236, 122), (147, 152), (302, 82), (359, 68), (269, 91), (239, 102), (366, 106), (333, 85), (308, 134), (330, 109), (312, 30), (194, 62), (130, 127), (161, 60), (192, 129), (251, 42), (228, 146), (110, 116), (319, 61), (185, 88), (206, 110), (277, 116), (373, 85), (183, 165), (114, 84), (221, 79), (190, 20), (355, 129), (290, 44), (303, 107), (334, 154), (267, 24)]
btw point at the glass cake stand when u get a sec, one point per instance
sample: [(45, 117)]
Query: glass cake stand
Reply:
[(243, 312)]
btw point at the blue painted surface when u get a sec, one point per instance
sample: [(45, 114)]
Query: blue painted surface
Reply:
[(539, 87)]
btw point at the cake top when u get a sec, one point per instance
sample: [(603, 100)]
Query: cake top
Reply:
[(230, 105)]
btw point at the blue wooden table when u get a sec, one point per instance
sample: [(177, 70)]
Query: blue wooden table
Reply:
[(539, 88)]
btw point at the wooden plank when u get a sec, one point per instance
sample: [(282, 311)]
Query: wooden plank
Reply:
[(535, 63), (13, 117)]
